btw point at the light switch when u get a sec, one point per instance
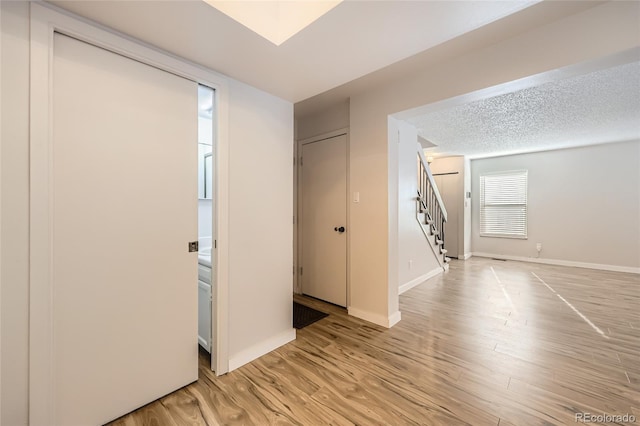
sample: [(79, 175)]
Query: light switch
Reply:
[(356, 197)]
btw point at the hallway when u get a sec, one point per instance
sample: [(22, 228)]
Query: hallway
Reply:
[(488, 343)]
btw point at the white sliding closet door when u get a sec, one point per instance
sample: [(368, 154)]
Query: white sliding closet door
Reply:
[(124, 197)]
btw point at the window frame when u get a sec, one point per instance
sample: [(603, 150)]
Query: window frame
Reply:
[(483, 212)]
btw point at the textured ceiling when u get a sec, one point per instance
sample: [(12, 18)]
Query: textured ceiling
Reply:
[(598, 107)]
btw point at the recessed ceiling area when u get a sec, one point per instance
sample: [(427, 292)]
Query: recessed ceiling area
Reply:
[(351, 40), (597, 107), (277, 21)]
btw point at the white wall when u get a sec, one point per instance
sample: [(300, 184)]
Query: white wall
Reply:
[(260, 234), (415, 257), (367, 175), (370, 224), (205, 220), (583, 205), (468, 203), (14, 231), (205, 130), (334, 118), (602, 30), (260, 225), (596, 32)]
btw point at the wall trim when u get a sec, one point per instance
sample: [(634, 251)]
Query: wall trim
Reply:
[(203, 343), (377, 319), (256, 351), (0, 214), (394, 318), (571, 263), (417, 281), (323, 136)]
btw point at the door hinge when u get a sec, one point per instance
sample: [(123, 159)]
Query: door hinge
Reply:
[(215, 244), (294, 269), (301, 270), (301, 163)]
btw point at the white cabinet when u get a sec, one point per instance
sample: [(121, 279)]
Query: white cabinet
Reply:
[(204, 307)]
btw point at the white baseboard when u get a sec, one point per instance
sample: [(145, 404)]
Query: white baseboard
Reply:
[(262, 348), (394, 319), (204, 344), (599, 266), (377, 319), (417, 281), (466, 256)]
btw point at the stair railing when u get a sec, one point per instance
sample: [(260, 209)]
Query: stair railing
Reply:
[(430, 201)]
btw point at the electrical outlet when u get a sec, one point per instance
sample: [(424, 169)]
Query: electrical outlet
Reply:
[(539, 246)]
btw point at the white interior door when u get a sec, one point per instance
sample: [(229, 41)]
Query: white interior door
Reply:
[(124, 196), (324, 209), (448, 185)]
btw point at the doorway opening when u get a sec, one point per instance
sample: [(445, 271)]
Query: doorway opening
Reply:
[(206, 228), (323, 211), (129, 302)]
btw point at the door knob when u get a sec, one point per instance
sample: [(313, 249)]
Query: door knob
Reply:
[(340, 229)]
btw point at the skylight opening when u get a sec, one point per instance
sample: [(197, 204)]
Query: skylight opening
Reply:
[(276, 21)]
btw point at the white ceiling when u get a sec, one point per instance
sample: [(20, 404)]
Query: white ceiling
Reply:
[(596, 107), (527, 19), (360, 45), (353, 39)]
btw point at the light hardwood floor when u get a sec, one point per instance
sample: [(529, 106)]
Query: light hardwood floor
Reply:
[(486, 343)]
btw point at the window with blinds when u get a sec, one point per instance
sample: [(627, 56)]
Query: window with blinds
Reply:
[(503, 204)]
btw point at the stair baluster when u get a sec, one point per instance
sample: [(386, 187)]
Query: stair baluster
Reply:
[(431, 206)]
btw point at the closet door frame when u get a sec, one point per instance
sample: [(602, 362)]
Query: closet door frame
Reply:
[(45, 21)]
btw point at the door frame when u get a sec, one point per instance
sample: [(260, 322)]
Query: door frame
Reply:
[(45, 21), (297, 279), (459, 224), (0, 206)]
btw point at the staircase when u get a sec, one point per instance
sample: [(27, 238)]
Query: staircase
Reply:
[(430, 210)]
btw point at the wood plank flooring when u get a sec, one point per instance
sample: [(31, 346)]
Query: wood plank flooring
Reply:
[(486, 343)]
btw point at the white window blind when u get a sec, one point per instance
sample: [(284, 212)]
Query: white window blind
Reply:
[(503, 204)]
